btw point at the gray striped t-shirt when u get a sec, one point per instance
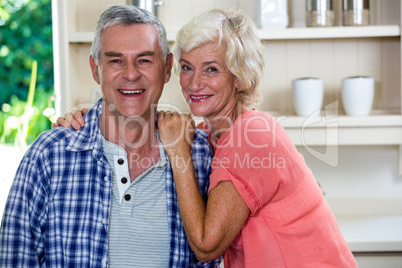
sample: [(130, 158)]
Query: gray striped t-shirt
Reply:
[(138, 225)]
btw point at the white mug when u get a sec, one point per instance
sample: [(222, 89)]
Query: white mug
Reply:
[(308, 93), (273, 14), (357, 95)]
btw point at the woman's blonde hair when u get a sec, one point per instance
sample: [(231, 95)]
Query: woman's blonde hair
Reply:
[(244, 50)]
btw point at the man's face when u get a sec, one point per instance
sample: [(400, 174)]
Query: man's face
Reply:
[(131, 70)]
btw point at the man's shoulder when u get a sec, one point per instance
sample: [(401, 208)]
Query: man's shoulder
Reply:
[(200, 143), (57, 137), (60, 138), (201, 153)]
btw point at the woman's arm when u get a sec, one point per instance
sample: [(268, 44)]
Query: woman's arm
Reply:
[(212, 228)]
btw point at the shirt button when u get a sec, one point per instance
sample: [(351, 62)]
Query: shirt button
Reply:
[(120, 161), (104, 262), (106, 178), (104, 221), (127, 197), (124, 180)]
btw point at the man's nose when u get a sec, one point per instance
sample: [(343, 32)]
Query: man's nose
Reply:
[(131, 72)]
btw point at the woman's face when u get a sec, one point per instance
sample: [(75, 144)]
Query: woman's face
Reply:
[(208, 86)]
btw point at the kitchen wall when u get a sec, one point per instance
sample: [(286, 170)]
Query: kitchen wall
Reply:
[(364, 179), (286, 59), (362, 171)]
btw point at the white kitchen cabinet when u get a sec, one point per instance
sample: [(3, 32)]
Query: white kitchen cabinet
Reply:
[(356, 159)]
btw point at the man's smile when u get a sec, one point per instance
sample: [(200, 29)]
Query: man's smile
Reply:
[(131, 92)]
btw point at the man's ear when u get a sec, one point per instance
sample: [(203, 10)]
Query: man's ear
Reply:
[(94, 69), (169, 65)]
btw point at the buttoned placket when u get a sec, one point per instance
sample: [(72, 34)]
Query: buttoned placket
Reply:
[(122, 177)]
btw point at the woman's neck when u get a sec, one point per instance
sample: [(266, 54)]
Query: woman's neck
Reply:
[(219, 124)]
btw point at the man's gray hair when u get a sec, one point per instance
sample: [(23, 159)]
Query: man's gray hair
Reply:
[(127, 15)]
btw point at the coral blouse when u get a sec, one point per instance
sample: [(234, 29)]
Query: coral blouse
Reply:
[(290, 224)]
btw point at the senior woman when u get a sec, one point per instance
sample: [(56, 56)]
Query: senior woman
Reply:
[(265, 208)]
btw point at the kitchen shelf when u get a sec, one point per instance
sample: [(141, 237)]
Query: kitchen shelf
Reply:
[(377, 118), (290, 33), (81, 37), (379, 128), (369, 233), (331, 129), (369, 225), (331, 32)]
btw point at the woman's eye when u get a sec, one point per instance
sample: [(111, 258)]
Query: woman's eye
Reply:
[(185, 68), (212, 70)]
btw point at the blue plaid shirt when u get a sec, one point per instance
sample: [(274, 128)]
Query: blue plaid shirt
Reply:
[(57, 213)]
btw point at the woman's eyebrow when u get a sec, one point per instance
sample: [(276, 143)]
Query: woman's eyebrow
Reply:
[(204, 63)]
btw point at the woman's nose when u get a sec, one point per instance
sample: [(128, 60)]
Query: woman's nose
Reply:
[(197, 81)]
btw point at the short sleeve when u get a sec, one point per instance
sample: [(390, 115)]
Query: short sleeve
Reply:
[(257, 156)]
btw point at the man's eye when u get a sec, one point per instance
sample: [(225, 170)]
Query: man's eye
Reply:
[(144, 61), (115, 61)]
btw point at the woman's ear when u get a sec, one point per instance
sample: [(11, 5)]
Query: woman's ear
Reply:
[(237, 83)]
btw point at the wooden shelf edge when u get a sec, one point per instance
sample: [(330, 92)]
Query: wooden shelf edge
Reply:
[(379, 118), (372, 233), (81, 37), (369, 224), (331, 32), (290, 33), (342, 130)]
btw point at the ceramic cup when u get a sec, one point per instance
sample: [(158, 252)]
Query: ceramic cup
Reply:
[(357, 95), (308, 93)]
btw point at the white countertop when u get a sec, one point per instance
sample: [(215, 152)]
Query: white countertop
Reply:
[(372, 233)]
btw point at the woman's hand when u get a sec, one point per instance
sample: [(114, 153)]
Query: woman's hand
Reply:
[(73, 118), (176, 131)]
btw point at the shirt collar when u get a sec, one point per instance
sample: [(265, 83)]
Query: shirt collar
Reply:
[(89, 136)]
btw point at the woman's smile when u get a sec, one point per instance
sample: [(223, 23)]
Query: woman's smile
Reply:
[(199, 98), (207, 84)]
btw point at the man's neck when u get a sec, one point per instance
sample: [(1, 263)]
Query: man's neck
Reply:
[(137, 137), (132, 134)]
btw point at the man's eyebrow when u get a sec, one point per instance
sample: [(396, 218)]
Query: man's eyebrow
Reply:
[(118, 54), (113, 54), (147, 53)]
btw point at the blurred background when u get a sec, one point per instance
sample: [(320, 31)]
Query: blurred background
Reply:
[(26, 80)]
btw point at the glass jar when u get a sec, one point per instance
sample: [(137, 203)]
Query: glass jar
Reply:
[(319, 13), (356, 12)]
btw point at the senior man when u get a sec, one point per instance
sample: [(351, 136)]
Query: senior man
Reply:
[(104, 195)]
